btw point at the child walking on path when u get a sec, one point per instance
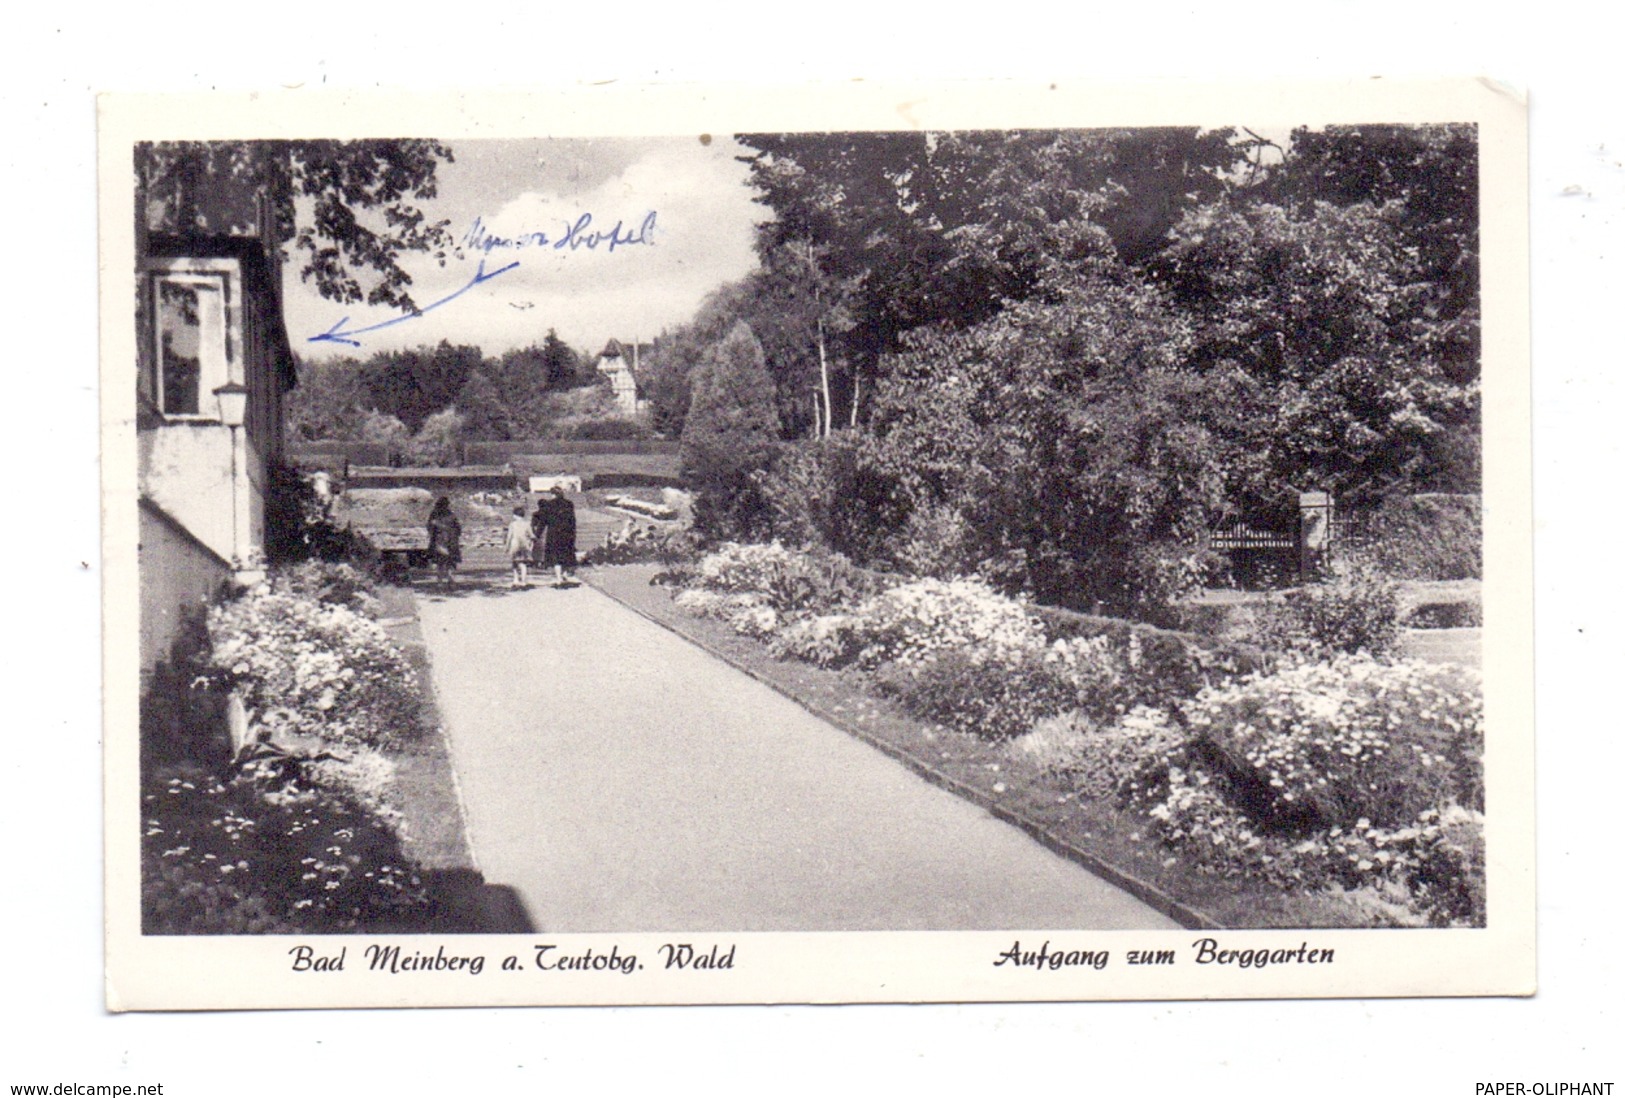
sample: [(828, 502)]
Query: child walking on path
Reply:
[(520, 544)]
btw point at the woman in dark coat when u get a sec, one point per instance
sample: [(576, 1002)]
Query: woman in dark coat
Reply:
[(445, 540), (555, 527)]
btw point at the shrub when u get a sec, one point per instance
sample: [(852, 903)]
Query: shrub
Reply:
[(1191, 812), (298, 525), (829, 640), (1357, 610), (1100, 677), (1332, 744), (242, 857), (830, 492), (636, 544), (1055, 743), (994, 700), (938, 540), (793, 582), (306, 668), (911, 622), (736, 566), (1430, 537), (1160, 667), (746, 612), (1125, 758), (330, 584)]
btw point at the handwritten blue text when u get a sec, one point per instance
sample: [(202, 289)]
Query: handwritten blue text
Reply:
[(338, 333), (577, 234)]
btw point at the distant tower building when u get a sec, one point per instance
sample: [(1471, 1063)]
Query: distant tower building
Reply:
[(619, 362)]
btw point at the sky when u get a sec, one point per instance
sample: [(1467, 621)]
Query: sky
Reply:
[(530, 192), (653, 277)]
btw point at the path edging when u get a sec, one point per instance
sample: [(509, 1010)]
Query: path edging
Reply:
[(470, 904)]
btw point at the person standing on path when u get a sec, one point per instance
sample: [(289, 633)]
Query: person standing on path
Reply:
[(521, 544), (555, 526), (445, 540)]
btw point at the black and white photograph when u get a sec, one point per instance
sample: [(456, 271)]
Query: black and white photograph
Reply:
[(992, 558)]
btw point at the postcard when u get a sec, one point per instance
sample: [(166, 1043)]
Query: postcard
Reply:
[(846, 543)]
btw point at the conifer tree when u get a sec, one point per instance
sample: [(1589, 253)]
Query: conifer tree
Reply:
[(730, 435)]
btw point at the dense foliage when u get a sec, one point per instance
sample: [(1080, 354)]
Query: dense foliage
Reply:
[(1060, 448), (1429, 537), (405, 398), (348, 208), (1053, 359)]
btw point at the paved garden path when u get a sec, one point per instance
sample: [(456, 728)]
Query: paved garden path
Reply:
[(621, 779)]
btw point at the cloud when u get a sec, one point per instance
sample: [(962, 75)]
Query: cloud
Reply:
[(700, 237)]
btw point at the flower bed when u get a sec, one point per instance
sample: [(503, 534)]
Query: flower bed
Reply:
[(1353, 776), (306, 667), (1349, 781), (250, 856), (301, 832), (636, 544)]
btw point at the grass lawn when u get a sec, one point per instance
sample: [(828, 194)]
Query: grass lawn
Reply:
[(426, 786), (1459, 646), (1096, 833)]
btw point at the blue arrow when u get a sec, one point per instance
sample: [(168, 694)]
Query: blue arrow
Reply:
[(339, 334)]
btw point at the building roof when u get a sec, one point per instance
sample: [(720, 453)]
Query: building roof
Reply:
[(615, 348)]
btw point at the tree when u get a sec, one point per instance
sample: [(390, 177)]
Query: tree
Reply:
[(561, 366), (1317, 307), (414, 384), (806, 310), (678, 353), (729, 436), (1429, 176), (376, 426), (485, 415), (328, 403), (1059, 448), (946, 228), (440, 440), (347, 208), (836, 492)]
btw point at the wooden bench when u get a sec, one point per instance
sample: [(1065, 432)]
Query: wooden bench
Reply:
[(398, 549)]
